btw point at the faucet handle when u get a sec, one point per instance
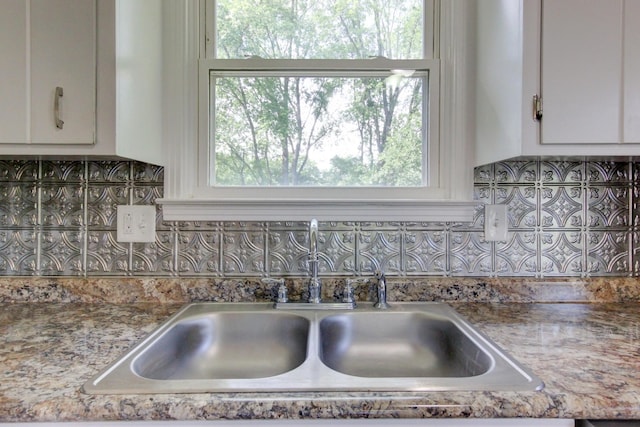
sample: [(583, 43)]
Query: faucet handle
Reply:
[(282, 293), (347, 295), (282, 288), (381, 288)]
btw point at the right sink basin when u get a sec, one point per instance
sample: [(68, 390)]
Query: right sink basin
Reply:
[(226, 347), (405, 344)]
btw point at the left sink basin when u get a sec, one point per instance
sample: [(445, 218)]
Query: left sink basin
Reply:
[(226, 345), (210, 346)]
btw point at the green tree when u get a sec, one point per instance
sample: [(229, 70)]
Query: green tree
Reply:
[(269, 130)]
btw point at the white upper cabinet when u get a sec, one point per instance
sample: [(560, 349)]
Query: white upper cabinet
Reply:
[(631, 72), (81, 78), (13, 64), (62, 71), (48, 89), (582, 60), (580, 57)]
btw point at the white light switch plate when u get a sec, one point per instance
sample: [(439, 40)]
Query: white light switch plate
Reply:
[(136, 224), (495, 223)]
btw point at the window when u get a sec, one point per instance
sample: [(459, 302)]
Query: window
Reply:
[(326, 93), (311, 108), (290, 128)]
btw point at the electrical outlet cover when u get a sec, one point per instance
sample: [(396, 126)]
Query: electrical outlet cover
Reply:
[(495, 223), (136, 224)]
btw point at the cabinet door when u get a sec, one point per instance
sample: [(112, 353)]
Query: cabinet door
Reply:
[(62, 48), (13, 76), (632, 71), (582, 72)]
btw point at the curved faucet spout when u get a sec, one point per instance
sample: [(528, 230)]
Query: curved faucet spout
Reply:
[(315, 286), (313, 237)]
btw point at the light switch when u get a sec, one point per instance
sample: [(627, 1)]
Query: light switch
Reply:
[(495, 223), (136, 224)]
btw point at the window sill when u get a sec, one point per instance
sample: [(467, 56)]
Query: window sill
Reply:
[(323, 210)]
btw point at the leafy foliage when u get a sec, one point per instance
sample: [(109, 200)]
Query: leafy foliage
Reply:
[(309, 130)]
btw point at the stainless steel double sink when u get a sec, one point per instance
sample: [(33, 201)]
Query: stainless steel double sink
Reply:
[(235, 347)]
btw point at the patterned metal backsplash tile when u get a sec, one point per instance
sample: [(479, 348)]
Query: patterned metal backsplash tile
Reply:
[(58, 218)]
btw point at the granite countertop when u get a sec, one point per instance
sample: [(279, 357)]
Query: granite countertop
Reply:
[(587, 354)]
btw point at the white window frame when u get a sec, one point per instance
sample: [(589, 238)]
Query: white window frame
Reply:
[(189, 197)]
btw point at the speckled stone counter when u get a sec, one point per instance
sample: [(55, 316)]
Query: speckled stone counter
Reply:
[(449, 289), (587, 354)]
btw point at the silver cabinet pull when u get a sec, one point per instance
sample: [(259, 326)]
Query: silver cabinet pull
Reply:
[(56, 107)]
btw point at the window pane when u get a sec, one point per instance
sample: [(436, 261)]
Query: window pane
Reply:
[(319, 29), (329, 131)]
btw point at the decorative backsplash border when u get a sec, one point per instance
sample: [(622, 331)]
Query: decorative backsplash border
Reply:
[(580, 219)]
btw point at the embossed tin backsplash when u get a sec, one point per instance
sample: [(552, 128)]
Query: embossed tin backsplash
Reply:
[(565, 219)]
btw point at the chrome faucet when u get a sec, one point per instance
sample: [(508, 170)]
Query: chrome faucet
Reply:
[(315, 286), (314, 301), (381, 287)]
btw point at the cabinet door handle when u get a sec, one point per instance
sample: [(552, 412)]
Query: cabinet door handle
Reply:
[(56, 107), (537, 108)]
